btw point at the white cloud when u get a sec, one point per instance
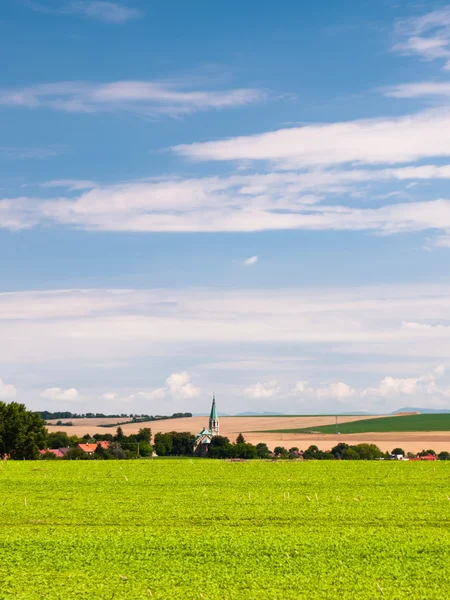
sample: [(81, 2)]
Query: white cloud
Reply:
[(427, 36), (339, 391), (275, 201), (109, 396), (146, 98), (100, 10), (60, 394), (7, 391), (70, 184), (252, 260), (419, 89), (181, 387), (371, 141), (263, 390), (156, 394), (110, 12)]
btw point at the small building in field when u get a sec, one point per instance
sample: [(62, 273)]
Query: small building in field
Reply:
[(203, 439), (91, 448), (56, 451), (428, 457)]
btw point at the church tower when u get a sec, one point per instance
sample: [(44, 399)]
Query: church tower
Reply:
[(213, 420)]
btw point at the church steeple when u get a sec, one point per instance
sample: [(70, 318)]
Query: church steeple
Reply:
[(213, 420)]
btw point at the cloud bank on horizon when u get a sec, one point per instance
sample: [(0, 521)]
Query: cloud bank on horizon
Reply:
[(185, 162)]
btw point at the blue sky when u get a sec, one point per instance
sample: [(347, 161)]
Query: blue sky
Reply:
[(199, 197)]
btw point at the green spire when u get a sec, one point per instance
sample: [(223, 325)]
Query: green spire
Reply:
[(213, 416)]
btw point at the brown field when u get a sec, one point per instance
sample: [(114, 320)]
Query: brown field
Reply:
[(254, 428)]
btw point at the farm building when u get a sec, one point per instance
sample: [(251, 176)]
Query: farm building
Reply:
[(58, 452), (91, 448)]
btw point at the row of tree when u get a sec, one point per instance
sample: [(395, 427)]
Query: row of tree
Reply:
[(47, 416), (23, 434)]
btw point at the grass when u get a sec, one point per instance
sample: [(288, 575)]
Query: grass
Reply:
[(217, 530), (433, 422)]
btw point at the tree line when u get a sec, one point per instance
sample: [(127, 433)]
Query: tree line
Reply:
[(23, 435)]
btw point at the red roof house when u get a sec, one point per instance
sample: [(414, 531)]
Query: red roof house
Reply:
[(56, 451), (429, 457), (91, 448)]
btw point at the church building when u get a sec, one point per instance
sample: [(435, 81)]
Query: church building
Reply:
[(203, 439)]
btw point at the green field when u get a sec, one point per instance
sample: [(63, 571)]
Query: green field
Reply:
[(438, 422), (184, 529)]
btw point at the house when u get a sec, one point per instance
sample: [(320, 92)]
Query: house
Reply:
[(428, 457), (58, 452), (203, 439), (91, 448)]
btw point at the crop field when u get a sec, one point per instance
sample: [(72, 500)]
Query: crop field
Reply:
[(432, 422), (181, 529)]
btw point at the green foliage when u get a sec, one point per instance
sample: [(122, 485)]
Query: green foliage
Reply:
[(262, 450), (144, 435), (22, 432), (58, 439), (398, 451), (313, 453), (76, 454), (240, 439), (175, 443), (444, 455), (281, 452), (192, 529)]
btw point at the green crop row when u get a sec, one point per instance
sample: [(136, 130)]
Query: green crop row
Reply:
[(438, 422), (183, 529)]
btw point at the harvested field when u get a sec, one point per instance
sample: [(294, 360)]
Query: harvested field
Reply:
[(229, 426)]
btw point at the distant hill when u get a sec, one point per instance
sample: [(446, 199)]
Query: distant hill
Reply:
[(258, 414), (423, 411)]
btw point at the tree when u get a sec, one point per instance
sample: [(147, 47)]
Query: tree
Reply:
[(101, 453), (351, 454), (444, 455), (398, 451), (262, 450), (240, 439), (182, 443), (144, 435), (58, 439), (76, 454), (22, 432), (245, 450), (119, 434), (368, 451), (280, 451), (220, 447), (163, 444), (339, 450)]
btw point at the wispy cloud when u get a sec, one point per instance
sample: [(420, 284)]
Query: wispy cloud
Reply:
[(276, 201), (108, 12), (144, 97), (420, 89), (374, 141), (19, 153), (252, 260), (426, 36)]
